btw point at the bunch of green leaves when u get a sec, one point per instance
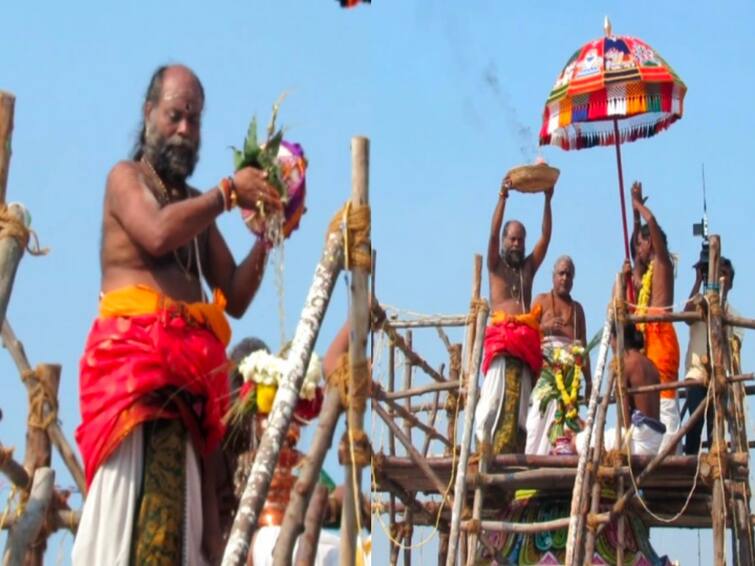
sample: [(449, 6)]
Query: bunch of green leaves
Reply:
[(263, 155)]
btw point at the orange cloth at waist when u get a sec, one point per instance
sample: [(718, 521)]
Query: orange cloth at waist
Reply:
[(138, 300), (662, 348), (531, 319)]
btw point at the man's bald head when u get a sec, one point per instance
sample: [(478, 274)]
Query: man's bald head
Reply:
[(170, 76)]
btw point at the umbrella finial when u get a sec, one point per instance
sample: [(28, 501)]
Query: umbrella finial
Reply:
[(607, 26)]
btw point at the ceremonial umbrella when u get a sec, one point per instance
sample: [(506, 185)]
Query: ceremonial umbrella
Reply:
[(612, 90)]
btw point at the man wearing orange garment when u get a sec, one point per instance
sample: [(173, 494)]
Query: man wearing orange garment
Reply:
[(653, 278), (153, 379), (512, 358)]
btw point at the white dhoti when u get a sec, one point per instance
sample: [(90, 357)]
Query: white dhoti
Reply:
[(644, 440), (490, 403), (110, 508), (671, 418), (266, 537), (539, 424)]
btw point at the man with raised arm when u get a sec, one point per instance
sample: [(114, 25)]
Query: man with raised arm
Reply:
[(653, 276), (153, 380), (512, 358)]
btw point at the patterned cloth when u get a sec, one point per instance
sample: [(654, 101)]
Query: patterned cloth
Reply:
[(501, 412), (158, 529), (549, 547), (148, 358), (611, 77)]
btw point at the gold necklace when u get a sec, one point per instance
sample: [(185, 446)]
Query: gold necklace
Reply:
[(164, 198)]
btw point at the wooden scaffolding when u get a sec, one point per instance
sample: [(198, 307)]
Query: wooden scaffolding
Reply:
[(461, 492)]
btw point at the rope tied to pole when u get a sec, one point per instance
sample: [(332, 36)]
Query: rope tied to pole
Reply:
[(12, 227), (41, 400), (355, 224), (355, 449), (341, 378)]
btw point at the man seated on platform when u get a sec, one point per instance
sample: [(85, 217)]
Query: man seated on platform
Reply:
[(653, 277), (641, 428), (553, 407), (153, 377), (512, 343), (697, 360)]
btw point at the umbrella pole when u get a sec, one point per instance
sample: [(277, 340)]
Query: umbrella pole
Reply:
[(617, 141)]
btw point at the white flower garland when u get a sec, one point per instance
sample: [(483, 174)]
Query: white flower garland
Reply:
[(267, 369)]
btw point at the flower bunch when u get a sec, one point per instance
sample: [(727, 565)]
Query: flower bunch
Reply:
[(263, 372), (561, 378), (643, 300)]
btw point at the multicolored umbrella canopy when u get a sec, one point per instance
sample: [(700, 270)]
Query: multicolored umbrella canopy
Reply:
[(612, 90), (614, 77)]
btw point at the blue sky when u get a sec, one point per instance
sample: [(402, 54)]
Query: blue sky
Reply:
[(410, 75)]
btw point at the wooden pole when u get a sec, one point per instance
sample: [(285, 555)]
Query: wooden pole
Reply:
[(307, 550), (359, 317), (420, 461), (17, 352), (28, 526), (621, 418), (11, 252), (430, 388), (42, 397), (294, 519), (466, 437), (432, 321), (720, 391), (394, 548), (266, 458), (7, 107), (582, 482)]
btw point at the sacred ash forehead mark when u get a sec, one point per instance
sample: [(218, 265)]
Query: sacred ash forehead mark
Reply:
[(187, 97)]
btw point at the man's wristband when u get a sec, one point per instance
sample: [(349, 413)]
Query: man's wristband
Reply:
[(228, 189), (503, 194)]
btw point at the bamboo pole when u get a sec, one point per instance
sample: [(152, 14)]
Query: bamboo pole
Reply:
[(594, 486), (415, 391), (17, 352), (294, 519), (359, 317), (519, 528), (581, 485), (14, 471), (466, 439), (7, 107), (671, 462), (432, 321), (733, 320), (688, 317), (56, 520), (432, 433), (27, 527), (622, 419), (258, 482)]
